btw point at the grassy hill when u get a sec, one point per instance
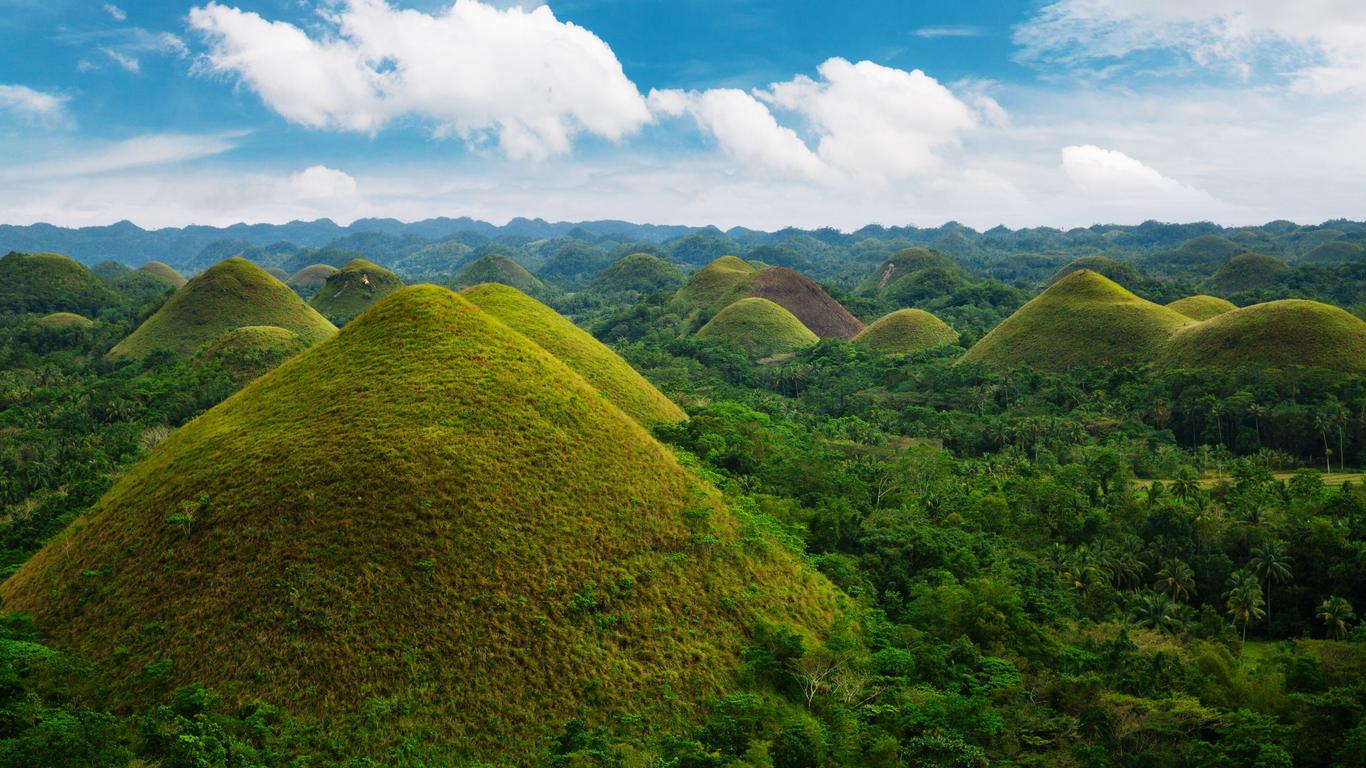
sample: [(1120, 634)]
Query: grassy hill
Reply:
[(1335, 253), (1278, 334), (1202, 307), (759, 327), (250, 351), (716, 285), (1246, 272), (311, 277), (353, 289), (1118, 271), (231, 294), (905, 331), (1083, 319), (429, 538), (497, 268), (904, 263), (804, 297), (576, 348), (164, 272), (64, 320), (642, 273), (40, 283)]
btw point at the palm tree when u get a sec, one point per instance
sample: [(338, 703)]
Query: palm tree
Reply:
[(1244, 599), (1335, 613), (1186, 486), (1271, 565), (1176, 579), (1156, 610), (1323, 422)]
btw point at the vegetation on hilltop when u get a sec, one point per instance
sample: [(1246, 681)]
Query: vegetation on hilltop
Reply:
[(906, 331), (711, 288), (41, 283), (1246, 272), (1202, 307), (637, 273), (231, 294), (497, 268), (164, 272), (353, 289), (1276, 334), (760, 327)]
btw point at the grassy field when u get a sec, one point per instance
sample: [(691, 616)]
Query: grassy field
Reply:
[(1333, 480), (905, 331), (759, 327), (1278, 334), (65, 320)]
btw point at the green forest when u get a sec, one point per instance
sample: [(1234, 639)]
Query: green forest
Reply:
[(700, 499)]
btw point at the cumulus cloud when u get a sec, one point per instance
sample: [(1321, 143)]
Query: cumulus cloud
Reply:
[(519, 77), (743, 127), (319, 182), (1108, 176), (27, 104)]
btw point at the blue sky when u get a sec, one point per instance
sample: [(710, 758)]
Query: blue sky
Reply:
[(765, 114)]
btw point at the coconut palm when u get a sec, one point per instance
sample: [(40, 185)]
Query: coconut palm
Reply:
[(1335, 613), (1272, 567), (1244, 599), (1176, 579)]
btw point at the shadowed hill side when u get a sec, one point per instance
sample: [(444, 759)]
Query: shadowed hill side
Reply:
[(905, 331), (1202, 307), (1246, 272), (759, 327), (497, 268), (451, 544), (353, 289), (1083, 319), (231, 294), (803, 297), (576, 348), (637, 273), (1278, 334), (41, 283)]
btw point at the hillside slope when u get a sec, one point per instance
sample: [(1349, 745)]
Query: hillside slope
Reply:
[(497, 268), (804, 298), (1278, 334), (353, 289), (711, 288), (759, 327), (905, 331), (41, 283), (1202, 307)]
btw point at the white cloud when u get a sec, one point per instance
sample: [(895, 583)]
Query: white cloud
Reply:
[(127, 62), (318, 182), (1109, 172), (743, 128), (139, 152), (25, 103), (958, 30), (115, 12), (475, 71)]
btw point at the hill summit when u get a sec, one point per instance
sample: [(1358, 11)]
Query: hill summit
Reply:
[(41, 283), (1277, 334), (231, 294), (165, 272), (805, 299), (1083, 319), (353, 289), (577, 348), (760, 327), (637, 273), (905, 331), (1202, 307), (497, 268), (474, 534), (711, 288)]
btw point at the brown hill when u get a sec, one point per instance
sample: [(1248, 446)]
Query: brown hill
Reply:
[(804, 298)]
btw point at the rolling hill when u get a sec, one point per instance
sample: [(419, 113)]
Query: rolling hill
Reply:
[(429, 540), (1246, 272), (65, 320), (353, 289), (576, 348), (164, 272), (41, 283), (1278, 334), (760, 327), (497, 268), (1335, 253), (716, 285), (311, 277), (1118, 271), (250, 351), (803, 297), (640, 273), (905, 331), (906, 263), (231, 294), (1202, 307), (1083, 319)]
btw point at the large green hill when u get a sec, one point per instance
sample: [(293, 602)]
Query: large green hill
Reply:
[(905, 331), (641, 273), (231, 294), (164, 272), (311, 277), (353, 289), (1246, 272), (41, 283), (1278, 334), (576, 348), (428, 537), (1083, 319), (1202, 307), (906, 263), (497, 268), (803, 297), (759, 327), (716, 285)]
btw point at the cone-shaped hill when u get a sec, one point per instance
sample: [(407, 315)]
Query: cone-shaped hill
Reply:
[(164, 272), (1335, 253), (576, 348), (804, 298), (311, 277), (760, 327), (231, 294), (250, 351), (1247, 272), (905, 265), (1083, 319), (905, 331), (637, 273), (1118, 271), (65, 320), (716, 285), (475, 534), (1278, 334), (497, 268), (1202, 307), (353, 289), (41, 283)]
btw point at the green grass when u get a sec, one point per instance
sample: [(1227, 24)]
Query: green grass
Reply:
[(1118, 271), (1246, 272), (759, 327), (1335, 253), (1278, 334), (905, 331), (312, 276), (65, 320), (40, 283), (164, 272), (497, 268), (641, 273), (1202, 307), (431, 538), (716, 285), (250, 351), (576, 348), (353, 289), (231, 294), (902, 264), (805, 299), (1083, 319)]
